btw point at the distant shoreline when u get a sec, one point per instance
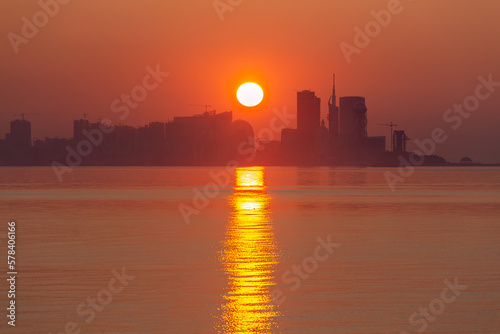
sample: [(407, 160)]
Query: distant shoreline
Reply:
[(450, 164)]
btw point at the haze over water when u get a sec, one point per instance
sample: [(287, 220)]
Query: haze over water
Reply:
[(218, 274)]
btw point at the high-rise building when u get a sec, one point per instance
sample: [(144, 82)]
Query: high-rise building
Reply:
[(209, 138), (156, 132), (78, 127), (333, 118), (308, 122), (399, 140), (20, 134), (352, 122), (151, 137)]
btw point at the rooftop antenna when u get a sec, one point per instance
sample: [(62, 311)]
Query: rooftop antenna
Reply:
[(391, 125), (334, 95), (22, 115)]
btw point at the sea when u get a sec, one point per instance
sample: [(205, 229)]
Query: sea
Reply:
[(251, 250)]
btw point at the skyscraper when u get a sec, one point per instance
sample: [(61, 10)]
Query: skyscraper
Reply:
[(353, 122), (308, 122), (78, 127), (20, 134), (333, 118), (399, 140)]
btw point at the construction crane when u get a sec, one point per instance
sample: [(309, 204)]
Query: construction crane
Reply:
[(202, 105), (391, 125), (22, 115)]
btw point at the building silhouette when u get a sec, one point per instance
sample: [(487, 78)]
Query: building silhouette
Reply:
[(208, 138), (20, 134), (353, 122), (399, 140), (212, 138), (308, 123), (15, 148), (78, 127), (344, 142), (375, 150), (195, 139), (333, 120)]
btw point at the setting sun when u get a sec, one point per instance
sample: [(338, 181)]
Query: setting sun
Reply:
[(250, 94)]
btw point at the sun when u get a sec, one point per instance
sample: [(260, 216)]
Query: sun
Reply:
[(250, 94)]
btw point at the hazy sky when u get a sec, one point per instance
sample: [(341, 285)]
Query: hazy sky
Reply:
[(90, 52)]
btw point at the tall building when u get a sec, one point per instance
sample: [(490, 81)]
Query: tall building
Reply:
[(308, 122), (324, 142), (78, 127), (151, 137), (20, 134), (353, 122), (209, 138), (333, 118), (156, 132), (399, 140)]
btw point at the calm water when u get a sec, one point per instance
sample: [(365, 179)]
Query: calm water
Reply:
[(252, 259)]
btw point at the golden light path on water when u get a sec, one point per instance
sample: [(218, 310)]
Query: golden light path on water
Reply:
[(249, 257)]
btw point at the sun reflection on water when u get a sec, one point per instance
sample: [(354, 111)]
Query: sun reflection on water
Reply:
[(249, 257)]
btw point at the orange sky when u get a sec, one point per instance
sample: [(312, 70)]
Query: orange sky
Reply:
[(90, 52)]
